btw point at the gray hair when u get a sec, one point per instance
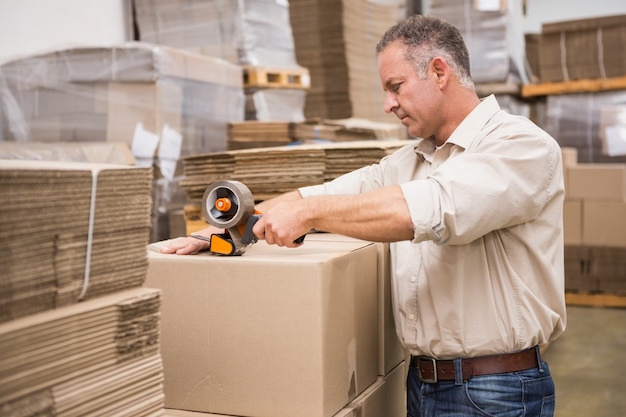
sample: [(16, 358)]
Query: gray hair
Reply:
[(427, 37)]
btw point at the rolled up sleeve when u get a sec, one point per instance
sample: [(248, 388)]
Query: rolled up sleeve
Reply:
[(423, 205)]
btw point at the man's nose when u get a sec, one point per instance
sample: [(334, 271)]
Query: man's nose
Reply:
[(390, 103)]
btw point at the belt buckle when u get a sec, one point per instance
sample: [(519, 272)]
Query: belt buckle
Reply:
[(432, 380)]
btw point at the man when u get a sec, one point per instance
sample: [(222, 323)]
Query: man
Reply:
[(473, 209)]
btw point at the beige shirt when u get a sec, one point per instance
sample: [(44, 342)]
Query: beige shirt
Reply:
[(484, 272)]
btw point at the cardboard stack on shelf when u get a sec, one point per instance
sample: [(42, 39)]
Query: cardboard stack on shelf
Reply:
[(280, 332), (254, 134), (582, 48), (79, 333), (594, 218), (577, 56)]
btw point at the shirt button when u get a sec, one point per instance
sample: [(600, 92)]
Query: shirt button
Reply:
[(413, 278), (411, 316)]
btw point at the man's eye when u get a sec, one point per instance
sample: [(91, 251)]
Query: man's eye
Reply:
[(395, 88)]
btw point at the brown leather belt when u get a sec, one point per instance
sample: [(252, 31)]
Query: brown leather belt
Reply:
[(431, 370)]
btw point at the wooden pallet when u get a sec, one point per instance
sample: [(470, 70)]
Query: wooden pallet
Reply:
[(264, 77), (574, 86), (595, 299)]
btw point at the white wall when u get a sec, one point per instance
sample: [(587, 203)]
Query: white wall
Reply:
[(547, 11), (32, 26)]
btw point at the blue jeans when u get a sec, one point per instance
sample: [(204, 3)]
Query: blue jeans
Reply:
[(516, 394)]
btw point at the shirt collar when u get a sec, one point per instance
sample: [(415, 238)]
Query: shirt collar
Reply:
[(466, 131)]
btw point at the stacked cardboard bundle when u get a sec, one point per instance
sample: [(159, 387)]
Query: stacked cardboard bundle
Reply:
[(202, 170), (347, 129), (99, 357), (320, 47), (581, 48), (278, 170), (348, 156), (254, 134), (79, 334), (336, 41), (269, 172), (364, 22), (62, 226)]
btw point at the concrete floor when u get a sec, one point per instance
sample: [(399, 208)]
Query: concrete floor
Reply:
[(588, 363)]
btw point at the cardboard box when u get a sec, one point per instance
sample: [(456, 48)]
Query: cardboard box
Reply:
[(153, 105), (613, 129), (569, 156), (276, 332), (391, 352), (604, 223), (577, 269), (573, 222), (385, 398), (596, 181)]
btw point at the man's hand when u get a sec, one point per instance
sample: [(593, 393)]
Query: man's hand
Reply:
[(283, 224), (191, 245)]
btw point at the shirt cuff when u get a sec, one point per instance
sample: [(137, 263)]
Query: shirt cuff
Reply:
[(312, 190), (423, 207)]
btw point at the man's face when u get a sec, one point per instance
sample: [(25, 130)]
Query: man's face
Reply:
[(413, 100)]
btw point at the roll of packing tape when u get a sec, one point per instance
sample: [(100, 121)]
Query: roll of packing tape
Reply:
[(227, 204)]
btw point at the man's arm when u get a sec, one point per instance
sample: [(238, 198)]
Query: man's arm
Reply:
[(380, 216)]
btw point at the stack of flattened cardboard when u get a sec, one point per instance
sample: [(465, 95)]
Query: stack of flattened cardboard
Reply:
[(70, 231), (278, 170), (256, 134), (79, 334), (364, 23), (99, 357), (583, 48), (348, 156), (336, 41), (271, 171), (320, 47), (348, 129)]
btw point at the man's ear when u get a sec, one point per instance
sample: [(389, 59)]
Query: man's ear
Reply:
[(440, 69)]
